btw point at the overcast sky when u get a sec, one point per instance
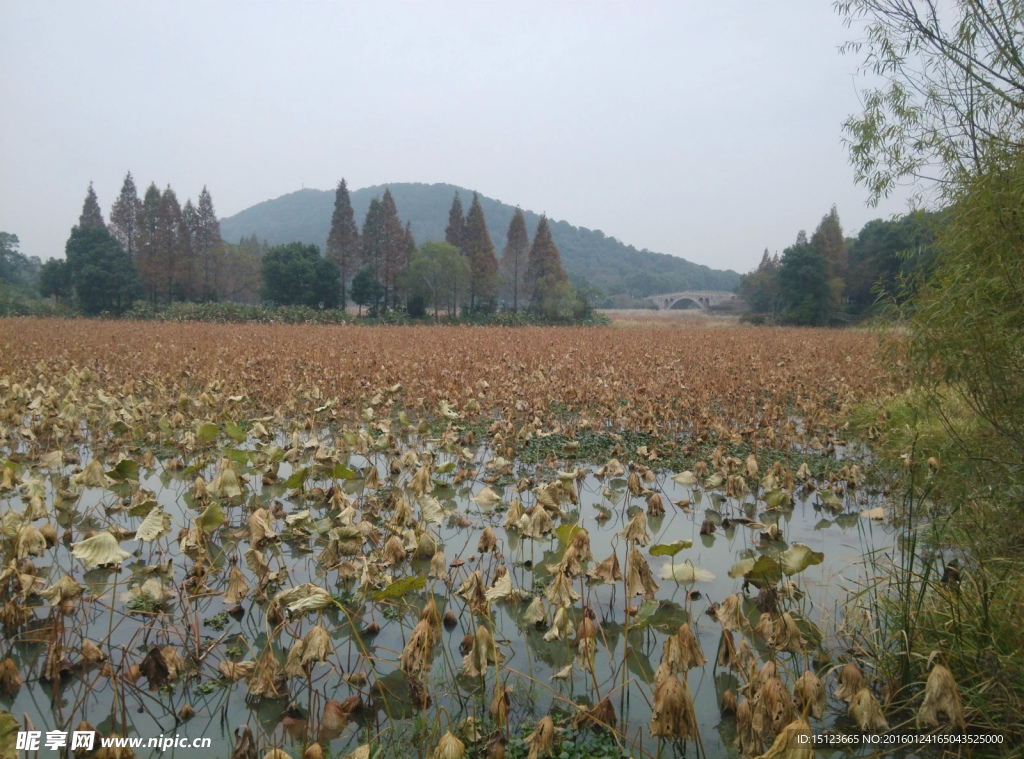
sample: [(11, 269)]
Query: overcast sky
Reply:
[(709, 130)]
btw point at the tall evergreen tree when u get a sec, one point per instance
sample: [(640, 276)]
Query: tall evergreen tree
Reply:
[(124, 217), (189, 234), (147, 257), (393, 260), (828, 240), (91, 214), (544, 272), (372, 232), (410, 243), (208, 248), (171, 249), (456, 228), (514, 257), (343, 241), (483, 265)]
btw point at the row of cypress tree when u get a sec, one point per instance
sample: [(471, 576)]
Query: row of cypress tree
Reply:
[(529, 274)]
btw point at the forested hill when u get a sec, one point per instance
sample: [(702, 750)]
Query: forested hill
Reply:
[(589, 256)]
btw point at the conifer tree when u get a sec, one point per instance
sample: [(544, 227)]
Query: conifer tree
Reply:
[(170, 259), (147, 259), (483, 265), (189, 233), (410, 242), (91, 214), (456, 228), (124, 217), (514, 257), (208, 248), (371, 239), (343, 241), (544, 272), (393, 260), (828, 240)]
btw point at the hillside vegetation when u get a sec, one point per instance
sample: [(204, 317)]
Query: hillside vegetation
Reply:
[(591, 258)]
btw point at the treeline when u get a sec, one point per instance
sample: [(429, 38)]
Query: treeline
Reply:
[(154, 254), (830, 278), (152, 249)]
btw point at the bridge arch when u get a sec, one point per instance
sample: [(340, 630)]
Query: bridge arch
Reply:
[(685, 303)]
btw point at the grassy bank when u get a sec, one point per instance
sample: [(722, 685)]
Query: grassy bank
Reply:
[(954, 595)]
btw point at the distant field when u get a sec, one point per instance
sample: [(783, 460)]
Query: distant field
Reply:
[(640, 317)]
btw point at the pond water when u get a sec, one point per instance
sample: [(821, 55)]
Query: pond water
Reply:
[(542, 674)]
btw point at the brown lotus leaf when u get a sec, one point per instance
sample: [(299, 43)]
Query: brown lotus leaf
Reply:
[(867, 713), (636, 530), (607, 571), (10, 679), (238, 588), (236, 670), (728, 705), (794, 741), (92, 653), (773, 708), (730, 615), (542, 740), (418, 654), (641, 581), (809, 693), (316, 645), (483, 652), (449, 747), (788, 636), (155, 668), (727, 651), (267, 679), (601, 717), (941, 700), (748, 740), (474, 592), (488, 542), (851, 681), (245, 744), (765, 629), (673, 715), (560, 591), (438, 567)]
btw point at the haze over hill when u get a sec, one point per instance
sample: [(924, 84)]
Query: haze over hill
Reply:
[(590, 257)]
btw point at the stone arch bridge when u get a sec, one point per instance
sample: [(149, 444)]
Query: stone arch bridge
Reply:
[(705, 300)]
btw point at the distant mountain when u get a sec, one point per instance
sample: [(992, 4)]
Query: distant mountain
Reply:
[(589, 256)]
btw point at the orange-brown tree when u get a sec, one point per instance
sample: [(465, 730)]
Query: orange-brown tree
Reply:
[(343, 245), (545, 277), (514, 257), (483, 264)]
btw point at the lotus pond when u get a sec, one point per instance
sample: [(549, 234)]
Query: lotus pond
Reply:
[(346, 592), (376, 546)]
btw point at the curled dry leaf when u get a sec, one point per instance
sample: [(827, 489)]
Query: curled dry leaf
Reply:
[(449, 747), (100, 550), (851, 681), (794, 742), (941, 704), (867, 713), (542, 740), (607, 571), (809, 693), (673, 715)]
